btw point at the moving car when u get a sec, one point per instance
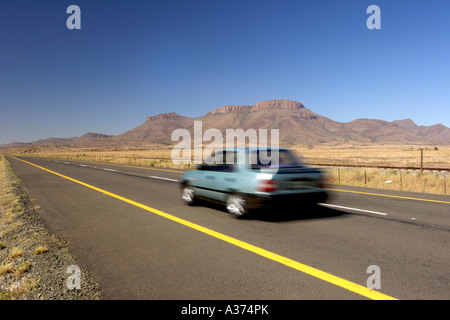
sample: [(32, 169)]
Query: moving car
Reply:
[(245, 179)]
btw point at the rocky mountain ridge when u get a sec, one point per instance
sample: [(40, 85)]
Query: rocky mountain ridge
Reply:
[(297, 125), (263, 105)]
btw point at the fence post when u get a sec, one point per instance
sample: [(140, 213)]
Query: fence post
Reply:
[(421, 160)]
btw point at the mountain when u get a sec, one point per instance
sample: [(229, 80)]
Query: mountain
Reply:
[(406, 124), (87, 139), (297, 126)]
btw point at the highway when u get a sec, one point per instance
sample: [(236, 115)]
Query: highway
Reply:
[(128, 227)]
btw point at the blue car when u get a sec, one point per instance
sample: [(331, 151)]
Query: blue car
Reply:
[(252, 178)]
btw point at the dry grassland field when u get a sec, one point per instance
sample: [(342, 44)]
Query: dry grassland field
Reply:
[(410, 178), (332, 159)]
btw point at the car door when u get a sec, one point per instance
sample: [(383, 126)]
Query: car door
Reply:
[(225, 175), (214, 180), (203, 182)]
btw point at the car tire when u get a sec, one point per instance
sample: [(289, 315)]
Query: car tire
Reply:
[(237, 205), (188, 195)]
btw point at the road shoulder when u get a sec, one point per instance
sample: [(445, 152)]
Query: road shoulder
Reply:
[(34, 264)]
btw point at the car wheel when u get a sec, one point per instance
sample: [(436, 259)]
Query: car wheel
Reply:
[(236, 205), (187, 195)]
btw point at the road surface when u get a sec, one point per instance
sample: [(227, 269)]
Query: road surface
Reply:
[(128, 227)]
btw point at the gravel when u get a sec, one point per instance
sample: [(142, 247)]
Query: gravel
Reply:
[(36, 275)]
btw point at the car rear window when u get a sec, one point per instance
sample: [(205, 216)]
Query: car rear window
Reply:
[(286, 159)]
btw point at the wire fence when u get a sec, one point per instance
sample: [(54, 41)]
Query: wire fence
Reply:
[(415, 179), (402, 179)]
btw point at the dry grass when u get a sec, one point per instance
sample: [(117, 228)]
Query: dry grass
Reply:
[(399, 156), (151, 158), (394, 156), (12, 260), (39, 250), (6, 268), (23, 267), (370, 155), (15, 253), (403, 180), (19, 288)]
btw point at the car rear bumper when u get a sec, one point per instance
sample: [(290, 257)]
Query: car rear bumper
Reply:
[(280, 200)]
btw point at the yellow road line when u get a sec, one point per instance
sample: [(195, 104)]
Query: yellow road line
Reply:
[(389, 196), (348, 285)]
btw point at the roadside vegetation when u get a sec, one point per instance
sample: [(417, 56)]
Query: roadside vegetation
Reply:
[(33, 263), (389, 179), (410, 157), (407, 156)]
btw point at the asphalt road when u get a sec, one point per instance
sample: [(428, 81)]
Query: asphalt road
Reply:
[(122, 224)]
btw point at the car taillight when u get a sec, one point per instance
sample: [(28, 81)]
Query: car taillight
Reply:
[(323, 183), (267, 185)]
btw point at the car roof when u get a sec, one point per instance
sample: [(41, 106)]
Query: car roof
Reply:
[(250, 149)]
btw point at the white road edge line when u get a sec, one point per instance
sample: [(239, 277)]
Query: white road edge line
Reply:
[(83, 165), (109, 169), (354, 209), (161, 178)]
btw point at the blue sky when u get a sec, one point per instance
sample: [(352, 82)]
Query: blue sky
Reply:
[(133, 59)]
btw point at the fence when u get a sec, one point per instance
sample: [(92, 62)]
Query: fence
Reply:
[(391, 178), (416, 179)]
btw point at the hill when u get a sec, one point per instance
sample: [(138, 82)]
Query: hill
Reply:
[(297, 125)]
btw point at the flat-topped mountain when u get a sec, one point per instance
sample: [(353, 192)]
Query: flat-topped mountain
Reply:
[(297, 125), (268, 104)]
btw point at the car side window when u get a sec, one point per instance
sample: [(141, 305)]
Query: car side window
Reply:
[(222, 166), (229, 161)]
